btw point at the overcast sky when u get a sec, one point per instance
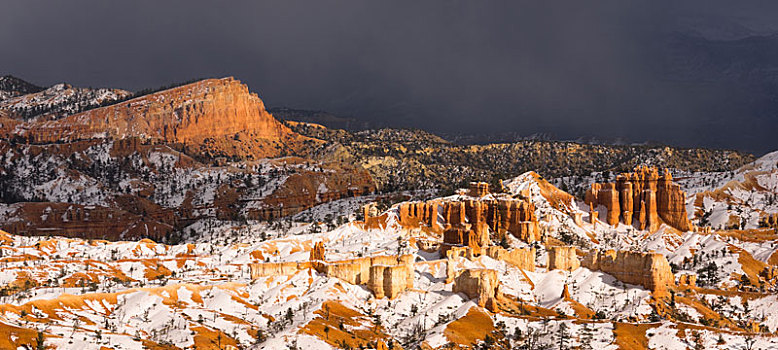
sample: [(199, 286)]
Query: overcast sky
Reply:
[(568, 68)]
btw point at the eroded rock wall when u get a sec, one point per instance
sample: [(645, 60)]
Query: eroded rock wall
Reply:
[(481, 284), (259, 270), (317, 252), (769, 220), (468, 221), (386, 275), (87, 221), (563, 258), (523, 258), (650, 270)]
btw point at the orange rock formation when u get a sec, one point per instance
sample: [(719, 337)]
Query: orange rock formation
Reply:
[(563, 258), (643, 197), (467, 222), (277, 269), (769, 220), (386, 275), (523, 258), (317, 252), (687, 279), (481, 284), (89, 222), (214, 117), (650, 270), (389, 281), (565, 292), (478, 189)]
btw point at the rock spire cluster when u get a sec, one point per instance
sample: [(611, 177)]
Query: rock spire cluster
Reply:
[(643, 198), (469, 220)]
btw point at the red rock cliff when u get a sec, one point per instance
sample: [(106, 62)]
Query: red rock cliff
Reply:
[(214, 117)]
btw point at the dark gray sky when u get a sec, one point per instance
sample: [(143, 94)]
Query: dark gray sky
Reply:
[(678, 72)]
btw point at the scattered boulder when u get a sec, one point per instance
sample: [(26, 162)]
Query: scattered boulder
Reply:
[(688, 280)]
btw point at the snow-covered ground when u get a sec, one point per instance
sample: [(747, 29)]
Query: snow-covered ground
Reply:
[(85, 294)]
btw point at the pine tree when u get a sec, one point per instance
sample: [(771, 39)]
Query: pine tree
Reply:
[(563, 336), (587, 337)]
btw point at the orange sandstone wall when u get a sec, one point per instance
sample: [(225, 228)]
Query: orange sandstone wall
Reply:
[(89, 222), (563, 258), (523, 258), (650, 270), (386, 275), (277, 269), (481, 284)]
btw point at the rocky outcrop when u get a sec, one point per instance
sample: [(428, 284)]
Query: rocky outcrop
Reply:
[(154, 164), (386, 275), (468, 221), (148, 190), (478, 189), (650, 270), (565, 292), (688, 280), (317, 252), (563, 258), (372, 220), (643, 198), (303, 190), (460, 237), (369, 210), (523, 258), (481, 284), (593, 214), (259, 270), (389, 281), (82, 221), (213, 117), (768, 220), (59, 100)]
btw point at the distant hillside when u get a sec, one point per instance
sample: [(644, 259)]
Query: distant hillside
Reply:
[(126, 166), (11, 86), (415, 159)]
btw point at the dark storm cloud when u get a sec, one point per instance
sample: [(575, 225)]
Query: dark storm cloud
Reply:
[(571, 68)]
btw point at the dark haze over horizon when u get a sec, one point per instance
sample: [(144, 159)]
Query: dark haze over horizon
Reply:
[(691, 73)]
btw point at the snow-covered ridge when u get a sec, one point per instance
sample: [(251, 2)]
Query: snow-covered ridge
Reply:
[(59, 100), (737, 199)]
